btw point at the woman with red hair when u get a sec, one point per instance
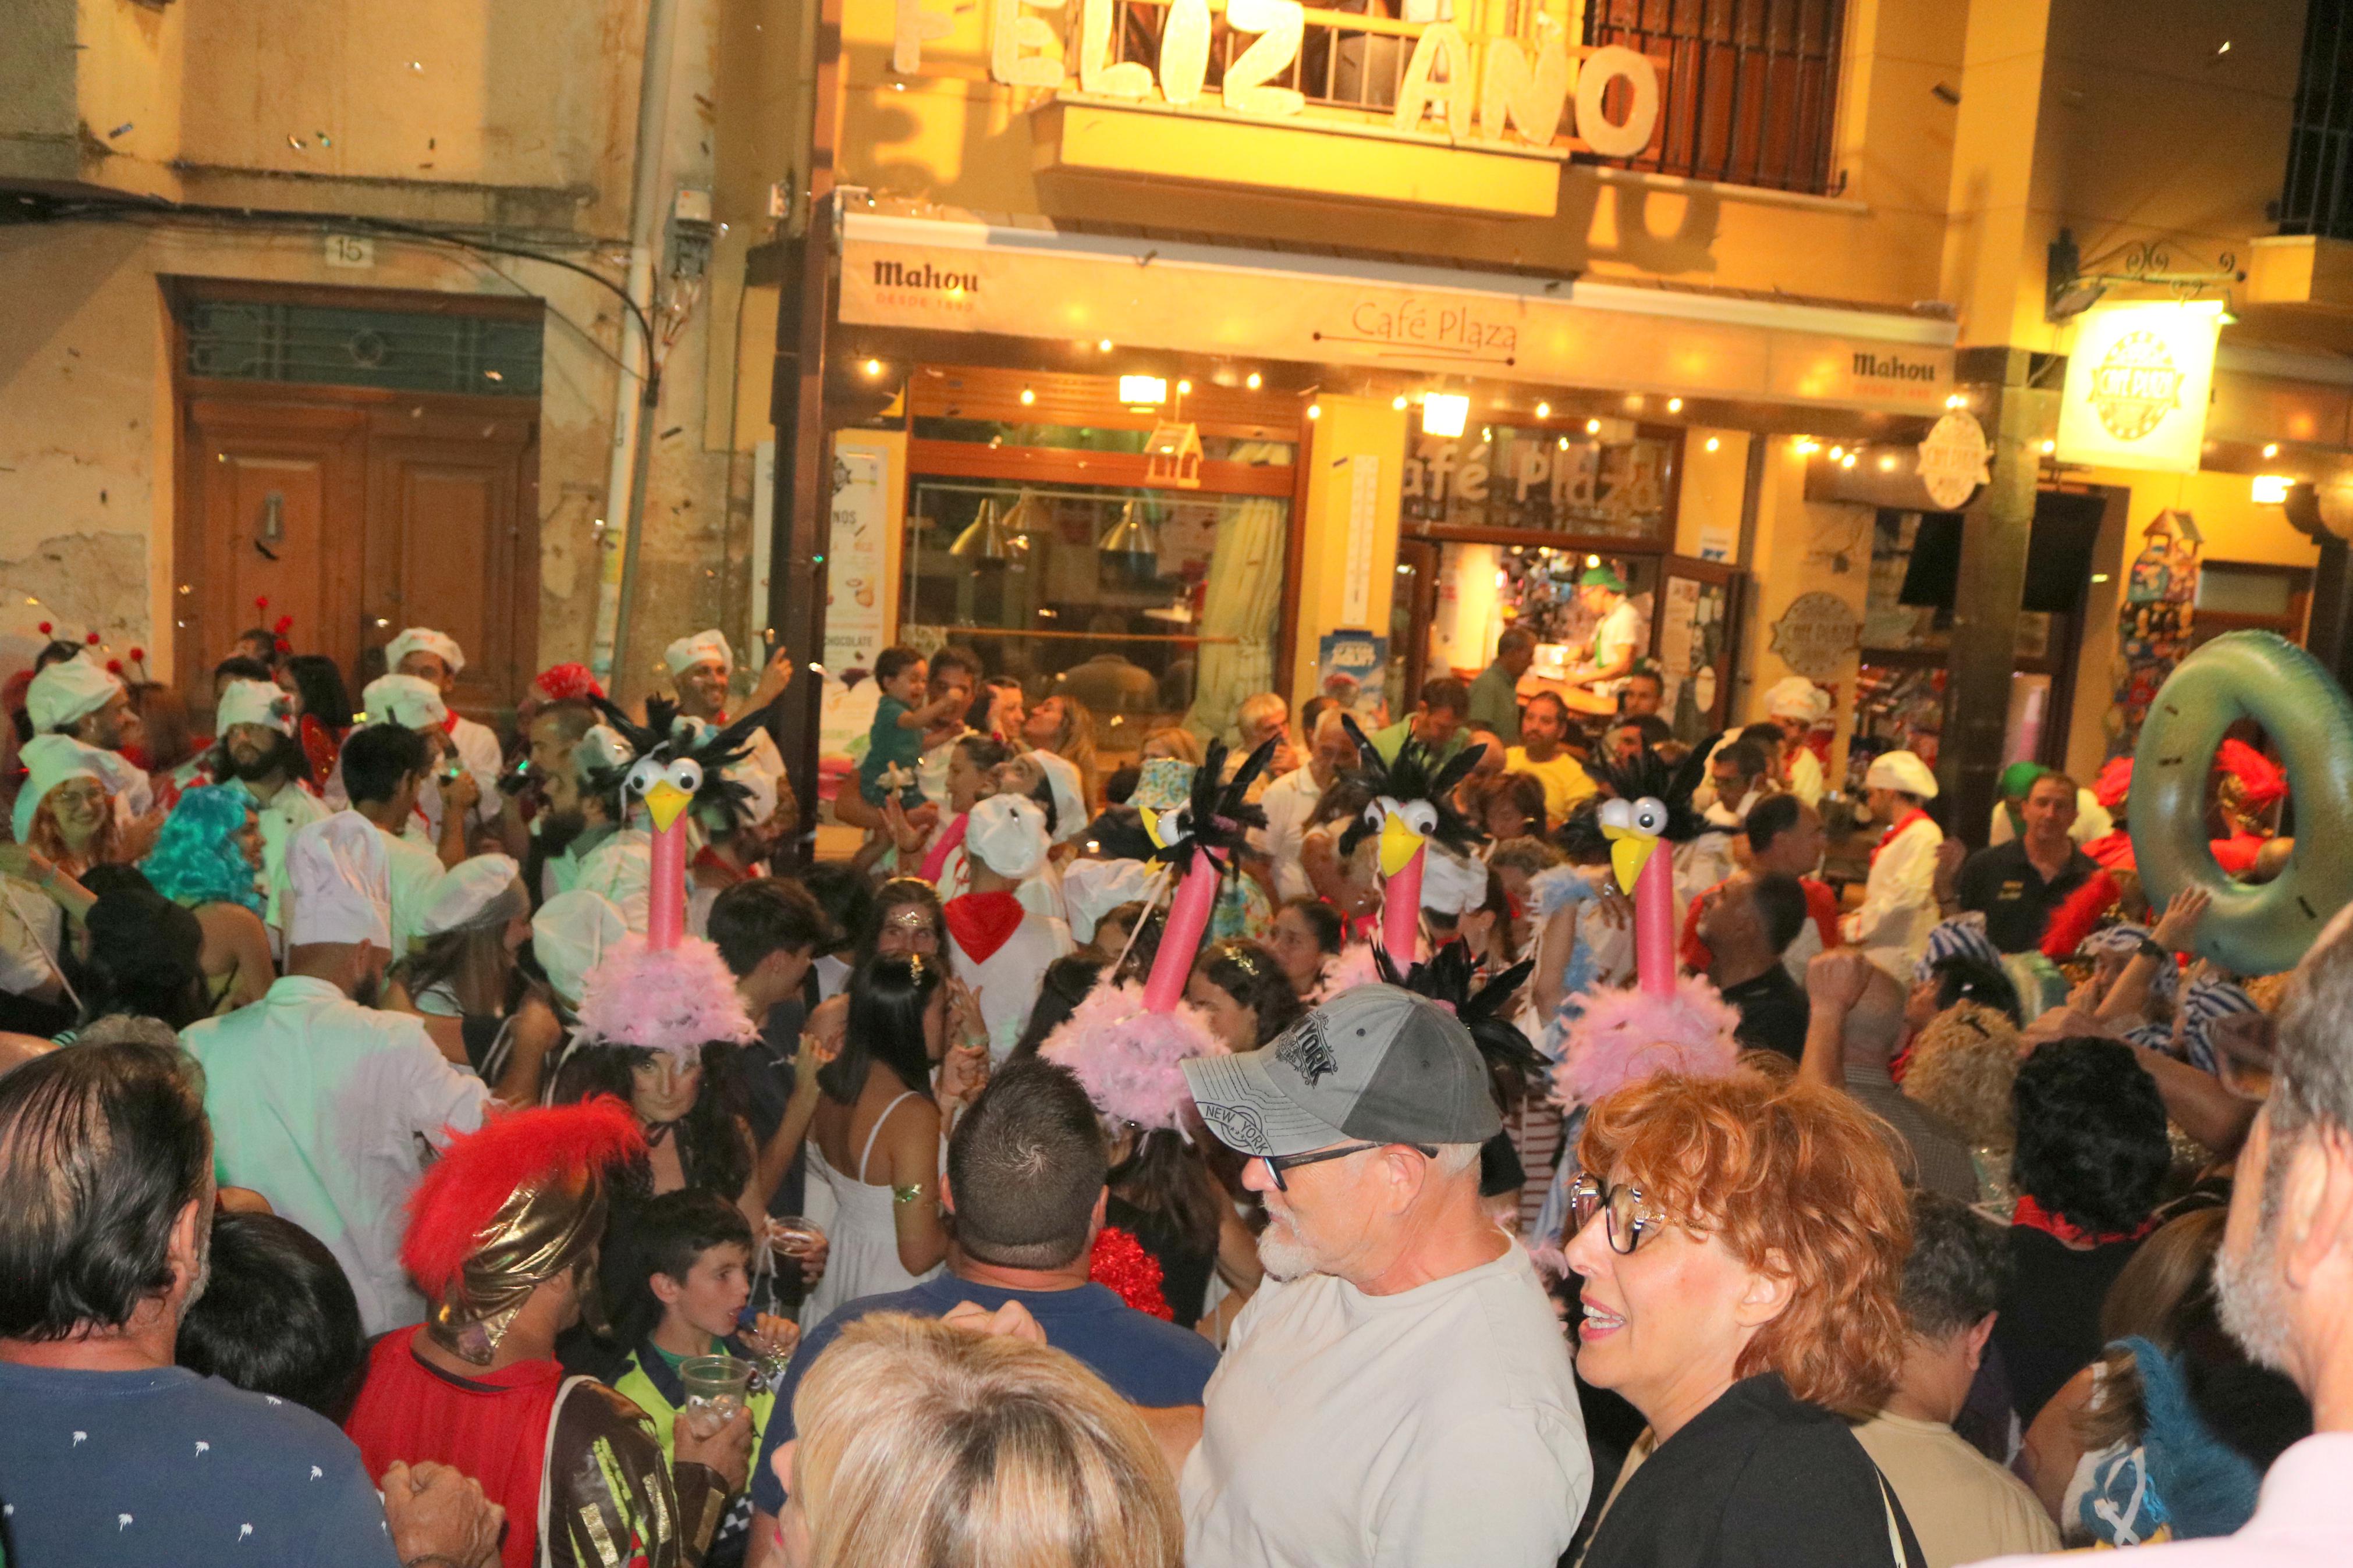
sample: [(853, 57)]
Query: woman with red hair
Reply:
[(1741, 1242)]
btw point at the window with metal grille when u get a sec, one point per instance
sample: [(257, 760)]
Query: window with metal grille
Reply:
[(1749, 91), (399, 351), (2317, 197)]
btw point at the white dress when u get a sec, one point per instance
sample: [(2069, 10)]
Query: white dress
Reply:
[(864, 1256)]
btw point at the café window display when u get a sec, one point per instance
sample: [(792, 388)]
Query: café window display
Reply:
[(1142, 605), (1115, 540)]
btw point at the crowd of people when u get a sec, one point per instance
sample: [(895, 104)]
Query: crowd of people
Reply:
[(1509, 1143)]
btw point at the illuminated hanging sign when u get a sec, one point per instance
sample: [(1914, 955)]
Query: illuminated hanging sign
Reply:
[(2139, 379), (1536, 91)]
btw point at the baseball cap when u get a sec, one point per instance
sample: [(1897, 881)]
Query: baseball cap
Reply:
[(1376, 1064)]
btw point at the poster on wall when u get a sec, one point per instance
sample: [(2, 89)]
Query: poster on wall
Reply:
[(1349, 665), (2153, 621), (858, 581), (2139, 377), (1695, 634)]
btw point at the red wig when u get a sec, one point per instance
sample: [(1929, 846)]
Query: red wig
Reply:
[(463, 1191)]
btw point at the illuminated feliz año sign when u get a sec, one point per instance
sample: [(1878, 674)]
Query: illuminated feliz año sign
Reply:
[(1505, 89), (2138, 376)]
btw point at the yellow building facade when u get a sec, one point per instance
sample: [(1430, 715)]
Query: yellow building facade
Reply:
[(1703, 287)]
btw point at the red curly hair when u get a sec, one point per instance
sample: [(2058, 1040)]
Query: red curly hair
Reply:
[(1795, 1182)]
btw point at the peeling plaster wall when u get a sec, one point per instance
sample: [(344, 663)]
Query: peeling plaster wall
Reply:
[(87, 436), (543, 118)]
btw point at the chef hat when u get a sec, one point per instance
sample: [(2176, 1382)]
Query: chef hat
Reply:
[(255, 702), (66, 691), (687, 652), (1451, 884), (1070, 795), (405, 700), (1006, 833), (570, 936), (1901, 771), (476, 892), (1795, 697), (49, 760), (1092, 889), (425, 639), (339, 890)]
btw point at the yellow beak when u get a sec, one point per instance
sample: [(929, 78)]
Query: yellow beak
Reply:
[(664, 802), (1628, 853), (1399, 844)]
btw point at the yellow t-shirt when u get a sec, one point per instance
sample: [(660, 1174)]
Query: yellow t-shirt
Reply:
[(1564, 782)]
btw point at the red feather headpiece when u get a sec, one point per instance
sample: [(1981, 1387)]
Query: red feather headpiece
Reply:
[(463, 1191), (2260, 780)]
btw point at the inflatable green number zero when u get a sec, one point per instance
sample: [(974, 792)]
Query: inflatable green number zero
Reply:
[(2263, 677)]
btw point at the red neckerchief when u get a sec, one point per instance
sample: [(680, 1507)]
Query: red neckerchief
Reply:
[(708, 859), (982, 922), (449, 720), (2036, 1217), (2237, 854), (1907, 820)]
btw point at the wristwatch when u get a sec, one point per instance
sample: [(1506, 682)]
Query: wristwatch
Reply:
[(2148, 947)]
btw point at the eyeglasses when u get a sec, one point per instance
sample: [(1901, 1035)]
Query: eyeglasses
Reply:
[(1278, 1164), (1628, 1218)]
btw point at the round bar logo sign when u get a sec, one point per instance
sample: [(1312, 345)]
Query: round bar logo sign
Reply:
[(1953, 459), (2136, 386)]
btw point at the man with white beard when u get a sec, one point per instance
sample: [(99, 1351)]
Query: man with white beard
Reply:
[(2284, 1274), (1398, 1391)]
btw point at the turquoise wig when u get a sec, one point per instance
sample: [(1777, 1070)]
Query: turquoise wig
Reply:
[(196, 859)]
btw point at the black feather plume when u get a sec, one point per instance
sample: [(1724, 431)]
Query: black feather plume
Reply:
[(1414, 776), (1217, 817), (1446, 977), (661, 738), (1646, 774)]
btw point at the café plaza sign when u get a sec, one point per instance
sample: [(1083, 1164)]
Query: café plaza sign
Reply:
[(1526, 94), (906, 271)]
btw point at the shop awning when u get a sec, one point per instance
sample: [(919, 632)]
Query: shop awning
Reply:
[(938, 275)]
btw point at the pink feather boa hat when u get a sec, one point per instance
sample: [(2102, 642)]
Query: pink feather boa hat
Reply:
[(1625, 1036), (1128, 1057), (675, 1000)]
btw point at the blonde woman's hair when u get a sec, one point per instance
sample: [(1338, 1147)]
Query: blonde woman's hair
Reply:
[(1074, 743), (1183, 746), (1963, 1065), (922, 1446)]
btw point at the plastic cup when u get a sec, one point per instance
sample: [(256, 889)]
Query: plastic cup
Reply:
[(716, 1386)]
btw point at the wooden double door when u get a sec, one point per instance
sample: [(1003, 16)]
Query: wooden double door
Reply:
[(357, 512)]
